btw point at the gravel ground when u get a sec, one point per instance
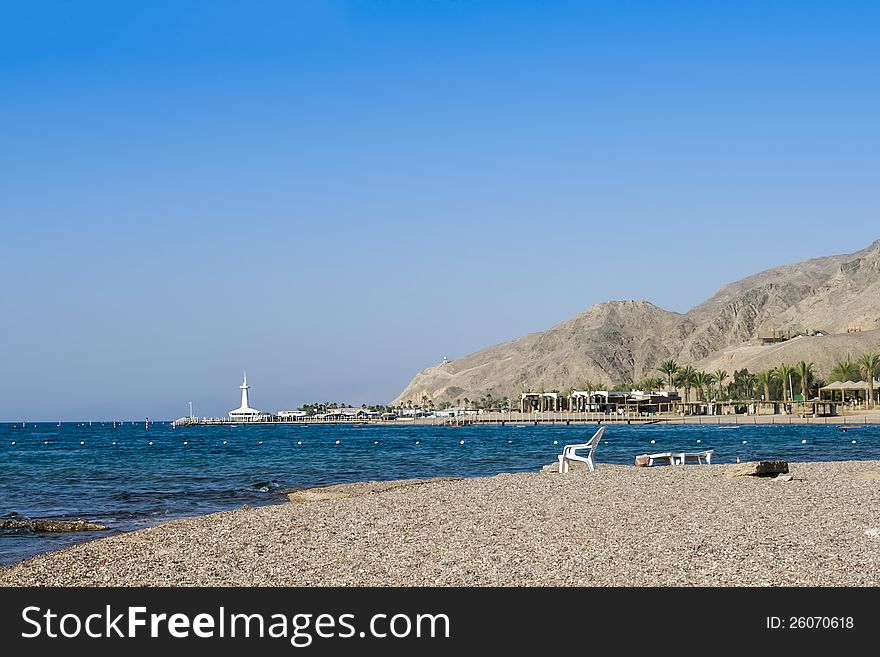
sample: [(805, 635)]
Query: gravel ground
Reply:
[(619, 526)]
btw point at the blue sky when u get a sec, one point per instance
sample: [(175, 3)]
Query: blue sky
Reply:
[(335, 195)]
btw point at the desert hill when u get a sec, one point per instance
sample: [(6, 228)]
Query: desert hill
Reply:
[(622, 341)]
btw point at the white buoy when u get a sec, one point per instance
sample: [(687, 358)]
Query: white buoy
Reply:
[(13, 442), (259, 442), (224, 442), (114, 442), (461, 442), (375, 442), (299, 442), (150, 443), (510, 442), (745, 441), (82, 442), (853, 442), (699, 441), (45, 442), (418, 442), (186, 442), (338, 441), (653, 441), (804, 441), (555, 442)]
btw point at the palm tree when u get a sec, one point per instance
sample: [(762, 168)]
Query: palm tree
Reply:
[(710, 379), (684, 377), (743, 385), (703, 380), (720, 375), (750, 382), (764, 379), (784, 372), (804, 371), (738, 388), (669, 368), (650, 383), (845, 370), (869, 367)]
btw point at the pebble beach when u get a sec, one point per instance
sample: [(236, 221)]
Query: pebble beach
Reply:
[(618, 526)]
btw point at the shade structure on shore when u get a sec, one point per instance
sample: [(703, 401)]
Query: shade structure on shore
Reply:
[(843, 387)]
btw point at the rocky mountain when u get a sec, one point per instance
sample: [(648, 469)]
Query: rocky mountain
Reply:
[(621, 341)]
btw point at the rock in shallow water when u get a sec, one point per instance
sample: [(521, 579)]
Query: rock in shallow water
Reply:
[(38, 525)]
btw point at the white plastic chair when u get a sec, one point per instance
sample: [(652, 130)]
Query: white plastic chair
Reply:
[(568, 452)]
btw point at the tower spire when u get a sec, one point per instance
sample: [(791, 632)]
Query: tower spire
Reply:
[(244, 412), (244, 393)]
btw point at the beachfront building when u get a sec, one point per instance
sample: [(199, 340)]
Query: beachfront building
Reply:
[(291, 415), (453, 411), (540, 401), (601, 401), (245, 413), (582, 400), (633, 401), (347, 414), (411, 412)]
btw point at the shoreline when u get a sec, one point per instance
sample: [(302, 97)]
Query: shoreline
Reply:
[(621, 525), (860, 416), (867, 417)]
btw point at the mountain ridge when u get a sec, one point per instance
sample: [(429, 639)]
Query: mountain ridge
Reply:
[(624, 340)]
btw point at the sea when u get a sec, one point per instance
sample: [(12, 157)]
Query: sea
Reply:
[(129, 476)]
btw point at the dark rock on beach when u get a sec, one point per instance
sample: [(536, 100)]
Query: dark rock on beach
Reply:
[(757, 469)]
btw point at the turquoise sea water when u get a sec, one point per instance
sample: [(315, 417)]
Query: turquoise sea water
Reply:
[(113, 475)]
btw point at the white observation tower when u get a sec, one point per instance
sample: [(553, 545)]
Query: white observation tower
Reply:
[(244, 412)]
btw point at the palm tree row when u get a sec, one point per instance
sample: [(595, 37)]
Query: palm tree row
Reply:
[(783, 378), (688, 378), (745, 385)]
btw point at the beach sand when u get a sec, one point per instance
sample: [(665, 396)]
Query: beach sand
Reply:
[(659, 526)]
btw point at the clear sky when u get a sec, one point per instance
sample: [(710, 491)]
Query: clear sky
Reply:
[(334, 195)]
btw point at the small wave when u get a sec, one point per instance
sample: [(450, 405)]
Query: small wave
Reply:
[(265, 486)]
